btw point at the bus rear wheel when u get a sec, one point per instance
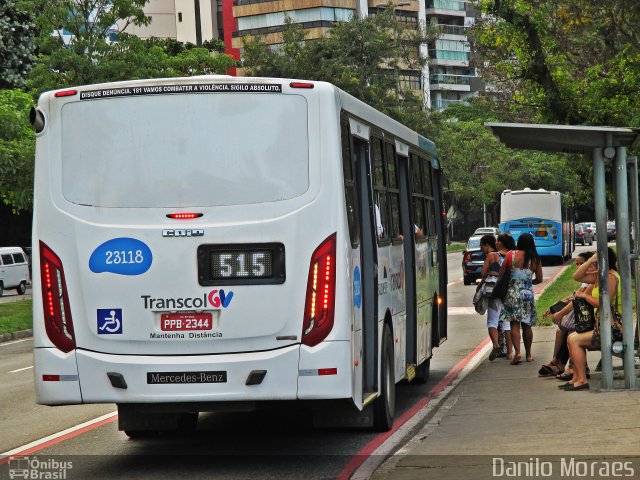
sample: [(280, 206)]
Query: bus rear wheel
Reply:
[(22, 288), (385, 404)]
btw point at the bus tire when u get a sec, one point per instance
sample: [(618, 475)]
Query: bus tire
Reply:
[(1, 289), (22, 288), (385, 404), (422, 372)]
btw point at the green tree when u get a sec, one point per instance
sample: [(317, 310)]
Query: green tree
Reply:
[(91, 56), (17, 142), (479, 167), (364, 57), (17, 46), (562, 61)]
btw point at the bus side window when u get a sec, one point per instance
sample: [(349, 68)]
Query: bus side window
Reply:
[(380, 186), (419, 219), (431, 217), (415, 173), (394, 191), (428, 190), (426, 170), (349, 182)]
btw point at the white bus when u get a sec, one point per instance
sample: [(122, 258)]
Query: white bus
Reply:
[(546, 215), (214, 242)]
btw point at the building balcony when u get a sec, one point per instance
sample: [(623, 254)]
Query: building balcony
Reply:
[(445, 8), (450, 58), (444, 29), (444, 81), (441, 103)]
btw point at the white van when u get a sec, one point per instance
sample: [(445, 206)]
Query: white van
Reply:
[(14, 270)]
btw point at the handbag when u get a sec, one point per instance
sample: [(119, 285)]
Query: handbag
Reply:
[(584, 317), (556, 307), (501, 287), (616, 323), (480, 300)]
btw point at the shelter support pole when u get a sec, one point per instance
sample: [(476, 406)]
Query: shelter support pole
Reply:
[(624, 264), (635, 221), (599, 186)]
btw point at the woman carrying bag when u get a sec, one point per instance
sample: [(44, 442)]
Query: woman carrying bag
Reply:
[(518, 307), (579, 342), (490, 272)]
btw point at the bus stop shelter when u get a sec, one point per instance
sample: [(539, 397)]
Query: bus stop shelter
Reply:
[(605, 145)]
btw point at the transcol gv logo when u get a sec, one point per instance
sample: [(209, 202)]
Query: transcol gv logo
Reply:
[(215, 299)]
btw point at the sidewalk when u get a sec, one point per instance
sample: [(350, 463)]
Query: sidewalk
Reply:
[(501, 410)]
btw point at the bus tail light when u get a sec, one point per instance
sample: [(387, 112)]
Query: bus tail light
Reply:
[(65, 93), (55, 300), (301, 85), (184, 215), (319, 305)]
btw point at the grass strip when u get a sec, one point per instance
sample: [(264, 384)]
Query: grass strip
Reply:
[(456, 247), (563, 286), (15, 316)]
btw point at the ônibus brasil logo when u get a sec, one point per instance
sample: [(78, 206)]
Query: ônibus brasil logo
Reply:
[(215, 299)]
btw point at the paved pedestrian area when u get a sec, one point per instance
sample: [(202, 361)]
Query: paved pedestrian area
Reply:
[(503, 413)]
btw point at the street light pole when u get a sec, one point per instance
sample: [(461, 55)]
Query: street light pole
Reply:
[(482, 169), (484, 214)]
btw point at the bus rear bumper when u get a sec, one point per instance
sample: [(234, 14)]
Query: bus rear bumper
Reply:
[(549, 250), (294, 372), (56, 377), (188, 378), (325, 371)]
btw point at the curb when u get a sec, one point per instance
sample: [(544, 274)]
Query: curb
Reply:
[(7, 337)]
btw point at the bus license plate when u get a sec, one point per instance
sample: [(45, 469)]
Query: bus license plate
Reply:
[(171, 322)]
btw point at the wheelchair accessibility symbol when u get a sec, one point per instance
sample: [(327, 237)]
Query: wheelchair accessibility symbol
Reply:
[(109, 321)]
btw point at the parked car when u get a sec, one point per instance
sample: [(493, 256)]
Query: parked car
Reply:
[(583, 236), (591, 227), (611, 230), (487, 231), (14, 271), (472, 260)]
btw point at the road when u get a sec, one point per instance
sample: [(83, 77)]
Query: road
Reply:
[(12, 295), (279, 443)]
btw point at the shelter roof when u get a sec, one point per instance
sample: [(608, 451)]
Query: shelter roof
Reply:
[(562, 138)]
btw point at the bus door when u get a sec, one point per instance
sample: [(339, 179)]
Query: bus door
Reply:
[(368, 261), (407, 228), (440, 333)]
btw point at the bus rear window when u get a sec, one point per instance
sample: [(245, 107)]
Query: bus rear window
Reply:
[(185, 150)]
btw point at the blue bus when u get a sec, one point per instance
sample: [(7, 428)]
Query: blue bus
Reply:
[(546, 215)]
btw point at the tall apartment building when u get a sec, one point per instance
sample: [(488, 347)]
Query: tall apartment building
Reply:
[(452, 78), (448, 77)]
